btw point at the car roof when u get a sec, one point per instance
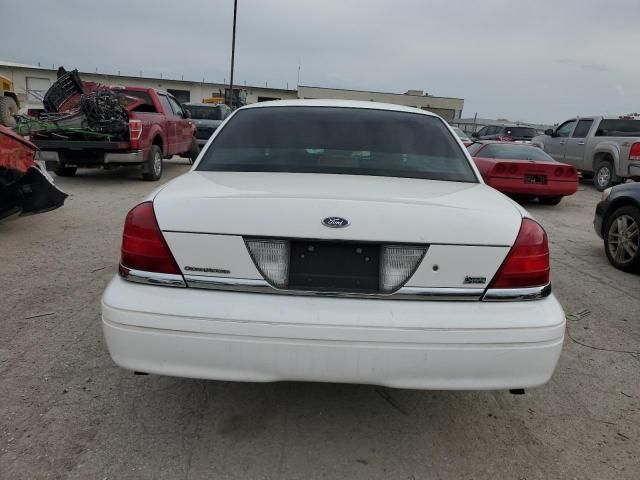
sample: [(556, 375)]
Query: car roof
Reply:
[(339, 104), (606, 117), (200, 104), (133, 89), (509, 125), (500, 142)]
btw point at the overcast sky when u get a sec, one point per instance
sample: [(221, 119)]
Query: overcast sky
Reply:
[(538, 60)]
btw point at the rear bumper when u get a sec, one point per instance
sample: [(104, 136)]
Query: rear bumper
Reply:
[(634, 169), (128, 157), (407, 344), (92, 157), (517, 186)]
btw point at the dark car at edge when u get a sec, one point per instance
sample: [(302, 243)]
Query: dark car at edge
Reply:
[(617, 222), (207, 118), (506, 133)]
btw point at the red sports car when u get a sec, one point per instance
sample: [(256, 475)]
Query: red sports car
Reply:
[(524, 171)]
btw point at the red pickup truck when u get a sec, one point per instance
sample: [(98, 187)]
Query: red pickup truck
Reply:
[(158, 128)]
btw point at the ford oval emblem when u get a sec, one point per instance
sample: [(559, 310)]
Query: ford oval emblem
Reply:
[(335, 222)]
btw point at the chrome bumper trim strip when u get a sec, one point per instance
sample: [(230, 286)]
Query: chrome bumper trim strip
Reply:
[(517, 294), (404, 293), (152, 278)]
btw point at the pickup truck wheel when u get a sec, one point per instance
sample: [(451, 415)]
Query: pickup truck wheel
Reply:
[(194, 151), (554, 200), (153, 165), (622, 239), (8, 109), (63, 171), (603, 175)]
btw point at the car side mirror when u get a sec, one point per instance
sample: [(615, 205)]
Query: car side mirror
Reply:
[(186, 114), (475, 135), (549, 132)]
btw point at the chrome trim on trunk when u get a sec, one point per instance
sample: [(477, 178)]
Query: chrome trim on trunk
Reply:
[(516, 294), (404, 293), (152, 278), (248, 285), (442, 293), (227, 283)]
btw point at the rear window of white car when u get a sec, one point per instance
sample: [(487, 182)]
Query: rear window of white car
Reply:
[(338, 140)]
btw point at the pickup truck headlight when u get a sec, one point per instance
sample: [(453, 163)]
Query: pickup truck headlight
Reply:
[(605, 194)]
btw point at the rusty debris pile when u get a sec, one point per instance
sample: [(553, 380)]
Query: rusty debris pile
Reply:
[(80, 111)]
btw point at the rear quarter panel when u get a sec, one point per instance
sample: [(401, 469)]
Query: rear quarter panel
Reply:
[(154, 125), (603, 146), (617, 148)]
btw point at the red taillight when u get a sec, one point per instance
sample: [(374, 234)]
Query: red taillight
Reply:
[(143, 246), (558, 172), (527, 264), (135, 129), (571, 172), (634, 153), (505, 168)]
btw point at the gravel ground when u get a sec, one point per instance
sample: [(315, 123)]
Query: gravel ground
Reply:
[(66, 411)]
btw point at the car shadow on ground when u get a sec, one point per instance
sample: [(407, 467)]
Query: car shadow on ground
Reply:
[(321, 413), (97, 176)]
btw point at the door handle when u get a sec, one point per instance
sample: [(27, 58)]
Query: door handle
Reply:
[(580, 143), (563, 143)]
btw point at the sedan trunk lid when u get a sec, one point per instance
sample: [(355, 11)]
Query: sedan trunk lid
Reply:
[(379, 209)]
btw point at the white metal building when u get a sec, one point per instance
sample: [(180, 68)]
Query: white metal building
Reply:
[(447, 108), (31, 82)]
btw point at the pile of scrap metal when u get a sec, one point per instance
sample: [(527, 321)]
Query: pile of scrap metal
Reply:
[(25, 187), (80, 111)]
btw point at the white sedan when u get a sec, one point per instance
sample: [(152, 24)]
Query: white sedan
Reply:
[(335, 241)]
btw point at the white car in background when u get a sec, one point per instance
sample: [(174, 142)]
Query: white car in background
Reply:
[(335, 241)]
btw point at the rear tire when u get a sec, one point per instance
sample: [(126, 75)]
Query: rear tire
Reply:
[(622, 239), (603, 175), (8, 108), (153, 166), (194, 151), (555, 200)]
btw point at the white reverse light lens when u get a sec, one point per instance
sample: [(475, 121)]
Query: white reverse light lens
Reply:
[(272, 259), (398, 264)]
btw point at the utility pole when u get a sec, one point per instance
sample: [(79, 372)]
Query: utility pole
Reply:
[(233, 51)]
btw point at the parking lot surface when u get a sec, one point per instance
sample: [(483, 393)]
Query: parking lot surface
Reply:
[(66, 411)]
